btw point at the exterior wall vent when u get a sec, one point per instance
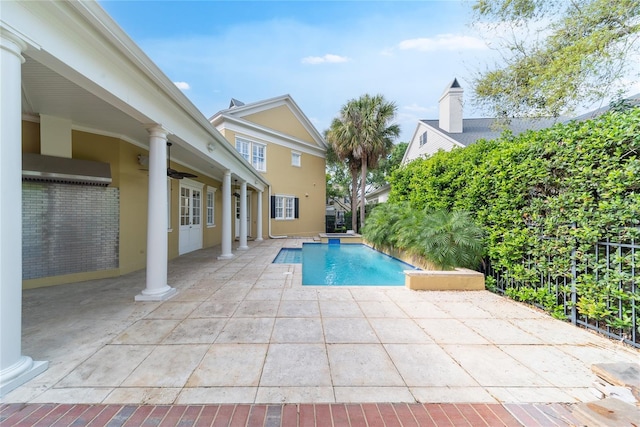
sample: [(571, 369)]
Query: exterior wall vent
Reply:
[(36, 167)]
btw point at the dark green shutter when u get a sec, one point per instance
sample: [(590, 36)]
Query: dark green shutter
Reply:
[(273, 206), (296, 208)]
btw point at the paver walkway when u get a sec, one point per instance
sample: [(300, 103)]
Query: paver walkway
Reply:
[(369, 414), (245, 332)]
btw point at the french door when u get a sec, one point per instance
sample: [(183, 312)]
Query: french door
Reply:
[(190, 217), (237, 225)]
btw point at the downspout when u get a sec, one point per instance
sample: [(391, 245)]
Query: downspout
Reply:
[(270, 236)]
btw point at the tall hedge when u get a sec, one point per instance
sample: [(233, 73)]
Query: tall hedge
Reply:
[(585, 173)]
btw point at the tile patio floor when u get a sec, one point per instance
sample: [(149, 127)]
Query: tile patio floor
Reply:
[(245, 331)]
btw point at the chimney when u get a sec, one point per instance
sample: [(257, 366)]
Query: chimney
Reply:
[(450, 119)]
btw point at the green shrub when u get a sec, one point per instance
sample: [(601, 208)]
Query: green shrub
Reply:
[(444, 239), (543, 182), (576, 183), (450, 239)]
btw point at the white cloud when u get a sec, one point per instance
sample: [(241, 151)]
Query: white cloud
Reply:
[(182, 85), (328, 58), (443, 42)]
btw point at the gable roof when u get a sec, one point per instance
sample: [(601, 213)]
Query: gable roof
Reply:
[(487, 128), (632, 101), (238, 110)]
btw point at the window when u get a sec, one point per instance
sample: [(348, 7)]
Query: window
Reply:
[(185, 201), (423, 138), (295, 159), (242, 147), (289, 211), (210, 207), (258, 157), (196, 207), (285, 207), (279, 207), (254, 152)]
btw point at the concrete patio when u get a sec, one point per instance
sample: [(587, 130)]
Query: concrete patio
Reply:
[(245, 331)]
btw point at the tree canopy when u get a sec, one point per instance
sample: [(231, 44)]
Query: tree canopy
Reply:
[(380, 176), (560, 54)]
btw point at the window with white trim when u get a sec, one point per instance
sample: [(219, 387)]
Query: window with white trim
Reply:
[(254, 152), (242, 147), (285, 207), (279, 207), (258, 158), (211, 219), (289, 208), (296, 158), (423, 138)]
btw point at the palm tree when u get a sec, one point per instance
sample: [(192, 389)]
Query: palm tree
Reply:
[(337, 136), (362, 132), (450, 239)]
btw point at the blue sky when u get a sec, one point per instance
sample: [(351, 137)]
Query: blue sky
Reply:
[(322, 53)]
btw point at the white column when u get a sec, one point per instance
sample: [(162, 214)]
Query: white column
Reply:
[(259, 220), (157, 241), (15, 369), (243, 217), (226, 217)]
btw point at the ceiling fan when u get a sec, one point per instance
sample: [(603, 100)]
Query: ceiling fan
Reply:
[(172, 173)]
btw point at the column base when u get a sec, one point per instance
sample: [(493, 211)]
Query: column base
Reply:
[(258, 239), (163, 296), (225, 256), (243, 248), (19, 373)]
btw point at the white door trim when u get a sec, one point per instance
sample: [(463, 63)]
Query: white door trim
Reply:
[(190, 222)]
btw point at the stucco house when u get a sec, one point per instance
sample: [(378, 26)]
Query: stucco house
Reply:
[(86, 187), (281, 143)]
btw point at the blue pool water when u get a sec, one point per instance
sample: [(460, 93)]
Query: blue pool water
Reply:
[(289, 256), (350, 265)]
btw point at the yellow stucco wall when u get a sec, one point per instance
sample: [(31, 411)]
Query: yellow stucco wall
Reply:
[(281, 119), (30, 137), (306, 182), (132, 180)]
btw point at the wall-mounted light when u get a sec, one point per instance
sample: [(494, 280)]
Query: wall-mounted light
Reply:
[(143, 160), (211, 147)]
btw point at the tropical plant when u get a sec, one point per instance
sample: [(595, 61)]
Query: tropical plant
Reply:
[(338, 137), (450, 239), (444, 239), (362, 135)]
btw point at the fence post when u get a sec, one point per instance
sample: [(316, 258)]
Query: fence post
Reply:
[(574, 275)]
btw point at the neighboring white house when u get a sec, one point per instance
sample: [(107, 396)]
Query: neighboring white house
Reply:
[(451, 130), (379, 195)]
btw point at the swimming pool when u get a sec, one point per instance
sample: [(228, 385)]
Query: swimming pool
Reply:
[(345, 265), (289, 256)]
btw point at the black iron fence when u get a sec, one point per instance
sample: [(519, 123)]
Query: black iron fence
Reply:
[(594, 286)]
